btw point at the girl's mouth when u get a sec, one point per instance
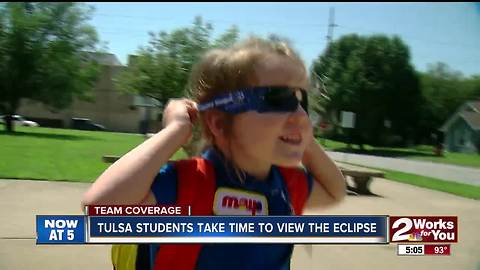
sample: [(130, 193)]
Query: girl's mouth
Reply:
[(294, 139)]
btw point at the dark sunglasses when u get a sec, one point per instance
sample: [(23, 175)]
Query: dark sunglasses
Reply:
[(261, 99)]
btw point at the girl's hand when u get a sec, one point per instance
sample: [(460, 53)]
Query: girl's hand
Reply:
[(307, 154), (129, 180), (181, 112), (325, 172)]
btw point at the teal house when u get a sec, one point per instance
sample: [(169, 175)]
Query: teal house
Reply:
[(462, 130)]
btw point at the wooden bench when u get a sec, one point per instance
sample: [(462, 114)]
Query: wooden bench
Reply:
[(110, 158), (360, 176)]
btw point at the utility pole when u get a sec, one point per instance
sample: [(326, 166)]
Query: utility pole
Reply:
[(331, 24)]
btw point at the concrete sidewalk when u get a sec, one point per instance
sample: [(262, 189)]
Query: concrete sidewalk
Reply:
[(21, 200), (448, 172)]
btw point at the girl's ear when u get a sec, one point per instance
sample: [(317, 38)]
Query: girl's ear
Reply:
[(215, 121)]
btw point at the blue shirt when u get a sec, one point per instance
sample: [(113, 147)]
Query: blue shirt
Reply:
[(236, 256)]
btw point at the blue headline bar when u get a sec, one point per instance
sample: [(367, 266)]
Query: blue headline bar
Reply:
[(239, 226), (130, 229)]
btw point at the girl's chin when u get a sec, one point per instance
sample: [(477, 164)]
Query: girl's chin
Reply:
[(289, 162)]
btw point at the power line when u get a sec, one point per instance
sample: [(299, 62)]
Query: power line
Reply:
[(221, 21), (331, 25), (136, 32), (413, 37)]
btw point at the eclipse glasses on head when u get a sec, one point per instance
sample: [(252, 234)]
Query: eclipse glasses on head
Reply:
[(260, 99)]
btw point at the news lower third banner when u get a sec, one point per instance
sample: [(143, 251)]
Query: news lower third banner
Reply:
[(106, 229)]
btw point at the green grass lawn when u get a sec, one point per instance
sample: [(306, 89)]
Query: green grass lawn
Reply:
[(420, 152), (460, 189), (74, 155), (61, 154), (469, 160)]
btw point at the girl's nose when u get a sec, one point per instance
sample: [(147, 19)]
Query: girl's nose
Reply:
[(298, 116)]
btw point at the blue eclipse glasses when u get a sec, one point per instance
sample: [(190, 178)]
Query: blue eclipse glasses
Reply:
[(260, 99)]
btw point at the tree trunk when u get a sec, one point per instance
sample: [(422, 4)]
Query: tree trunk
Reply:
[(8, 123), (10, 109), (360, 145)]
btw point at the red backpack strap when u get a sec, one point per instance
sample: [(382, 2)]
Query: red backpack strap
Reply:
[(297, 186), (196, 187)]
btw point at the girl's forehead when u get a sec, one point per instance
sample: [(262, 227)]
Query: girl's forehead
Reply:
[(281, 71)]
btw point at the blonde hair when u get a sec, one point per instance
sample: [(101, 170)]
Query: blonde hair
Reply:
[(223, 70)]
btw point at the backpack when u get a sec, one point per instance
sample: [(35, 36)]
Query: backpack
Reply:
[(197, 176)]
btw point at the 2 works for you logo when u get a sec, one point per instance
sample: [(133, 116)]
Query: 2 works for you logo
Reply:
[(424, 229)]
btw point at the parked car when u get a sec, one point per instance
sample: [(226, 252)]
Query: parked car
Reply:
[(86, 124), (18, 120)]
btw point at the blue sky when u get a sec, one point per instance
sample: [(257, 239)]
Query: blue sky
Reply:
[(446, 32)]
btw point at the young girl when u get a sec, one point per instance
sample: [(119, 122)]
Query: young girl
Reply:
[(252, 106)]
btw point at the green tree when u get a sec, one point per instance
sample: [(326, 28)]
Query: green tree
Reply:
[(228, 38), (371, 76), (472, 85), (444, 90), (43, 54), (161, 69)]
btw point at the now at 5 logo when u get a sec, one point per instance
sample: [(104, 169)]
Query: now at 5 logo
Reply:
[(423, 229), (229, 201)]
